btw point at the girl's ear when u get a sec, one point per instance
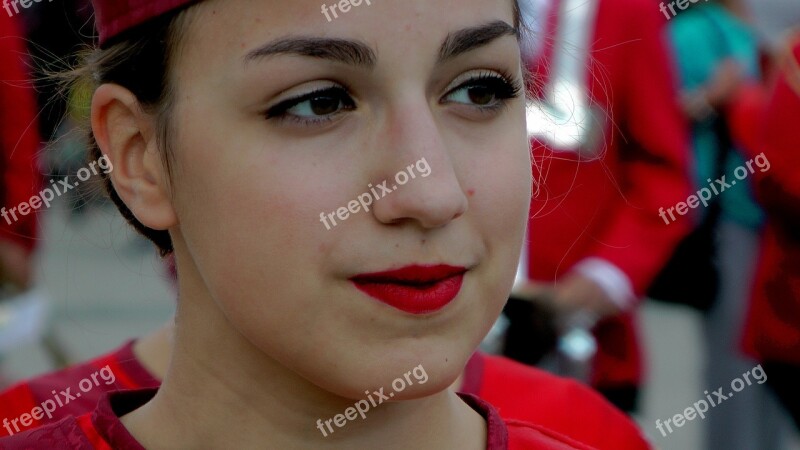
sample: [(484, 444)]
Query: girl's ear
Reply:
[(126, 136)]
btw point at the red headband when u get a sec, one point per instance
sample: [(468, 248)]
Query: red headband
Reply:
[(116, 16)]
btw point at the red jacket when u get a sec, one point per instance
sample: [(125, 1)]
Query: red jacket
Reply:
[(608, 207), (19, 138), (525, 393), (20, 400), (772, 330)]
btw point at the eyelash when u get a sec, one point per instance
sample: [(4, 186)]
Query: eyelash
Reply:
[(502, 84), (279, 111)]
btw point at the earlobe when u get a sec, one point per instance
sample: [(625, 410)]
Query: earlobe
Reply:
[(126, 135)]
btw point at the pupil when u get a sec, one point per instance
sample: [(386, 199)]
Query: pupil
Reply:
[(324, 105), (481, 95)]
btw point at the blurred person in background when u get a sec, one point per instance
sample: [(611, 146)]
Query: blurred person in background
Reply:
[(19, 142), (595, 239), (773, 328), (764, 120), (716, 52)]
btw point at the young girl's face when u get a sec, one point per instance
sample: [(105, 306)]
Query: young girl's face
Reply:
[(287, 123)]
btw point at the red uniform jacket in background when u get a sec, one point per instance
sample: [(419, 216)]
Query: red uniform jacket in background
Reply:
[(772, 330), (22, 398), (19, 135), (608, 207)]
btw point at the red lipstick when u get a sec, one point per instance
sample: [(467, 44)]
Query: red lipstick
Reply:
[(414, 289)]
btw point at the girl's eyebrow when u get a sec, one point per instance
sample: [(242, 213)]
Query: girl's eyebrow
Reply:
[(469, 39), (357, 53), (350, 52)]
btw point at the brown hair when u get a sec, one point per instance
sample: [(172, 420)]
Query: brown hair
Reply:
[(140, 60)]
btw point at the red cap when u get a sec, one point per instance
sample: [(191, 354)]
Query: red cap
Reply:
[(115, 16)]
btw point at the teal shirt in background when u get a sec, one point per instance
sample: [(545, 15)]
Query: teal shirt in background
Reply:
[(702, 37)]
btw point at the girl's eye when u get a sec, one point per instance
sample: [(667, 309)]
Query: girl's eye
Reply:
[(315, 107), (484, 91)]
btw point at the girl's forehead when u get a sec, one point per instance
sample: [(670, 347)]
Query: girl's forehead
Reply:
[(114, 17), (401, 28)]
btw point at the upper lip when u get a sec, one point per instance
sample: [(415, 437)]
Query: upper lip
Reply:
[(412, 274)]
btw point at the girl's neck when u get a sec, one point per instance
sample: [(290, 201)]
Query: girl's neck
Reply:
[(179, 417), (258, 401)]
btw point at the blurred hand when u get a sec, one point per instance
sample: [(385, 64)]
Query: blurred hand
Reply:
[(534, 292), (576, 292), (716, 94), (726, 81), (15, 265)]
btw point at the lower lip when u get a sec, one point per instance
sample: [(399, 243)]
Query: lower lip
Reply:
[(414, 299)]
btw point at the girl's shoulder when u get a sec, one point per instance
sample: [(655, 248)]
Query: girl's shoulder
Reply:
[(510, 434), (97, 430), (66, 433), (73, 391), (530, 395), (527, 436)]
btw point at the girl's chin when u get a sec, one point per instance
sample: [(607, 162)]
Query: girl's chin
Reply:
[(389, 394), (395, 382)]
